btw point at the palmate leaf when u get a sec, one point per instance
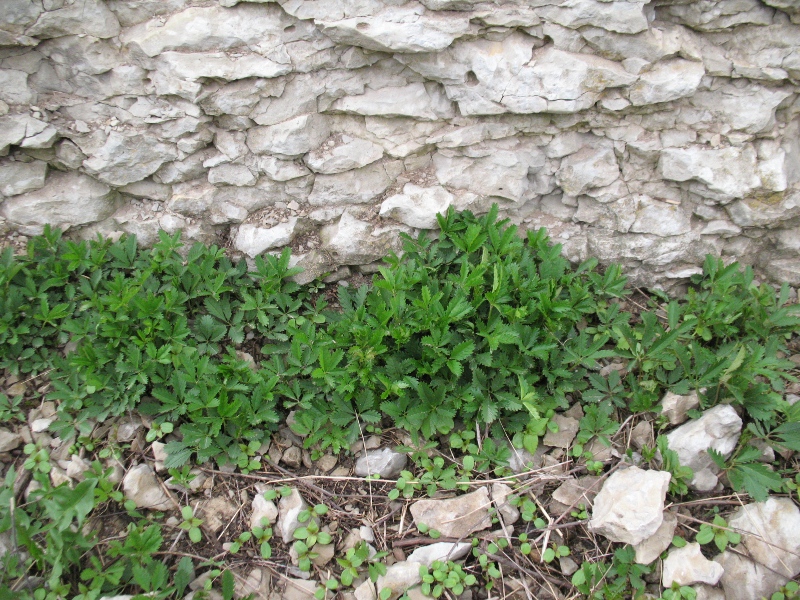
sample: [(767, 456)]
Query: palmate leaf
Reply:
[(755, 478)]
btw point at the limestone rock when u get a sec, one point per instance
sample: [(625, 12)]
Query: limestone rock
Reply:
[(219, 65), (294, 137), (586, 169), (355, 241), (630, 506), (441, 551), (562, 82), (217, 513), (9, 440), (15, 89), (771, 533), (20, 177), (574, 492), (357, 186), (687, 565), (717, 428), (66, 200), (281, 170), (253, 240), (765, 211), (123, 159), (622, 17), (405, 28), (500, 494), (263, 509), (750, 108), (231, 174), (426, 102), (674, 407), (289, 508), (660, 218), (12, 131), (299, 589), (667, 80), (353, 153), (567, 430), (417, 206), (399, 577), (198, 29), (726, 174), (651, 548), (496, 171), (141, 485), (456, 517), (88, 17), (384, 462)]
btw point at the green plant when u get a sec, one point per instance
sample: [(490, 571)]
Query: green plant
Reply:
[(790, 590), (355, 558), (10, 409), (718, 532), (308, 535), (191, 524), (679, 592), (555, 551), (441, 576), (681, 476)]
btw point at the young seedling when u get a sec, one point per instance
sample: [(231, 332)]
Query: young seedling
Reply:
[(191, 524), (719, 533)]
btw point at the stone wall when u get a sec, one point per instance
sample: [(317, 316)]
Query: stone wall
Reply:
[(645, 133)]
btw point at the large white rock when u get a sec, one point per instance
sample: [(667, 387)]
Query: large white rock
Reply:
[(586, 169), (351, 153), (220, 65), (441, 551), (661, 218), (384, 462), (253, 240), (141, 485), (357, 186), (231, 174), (651, 548), (417, 206), (492, 169), (198, 29), (674, 406), (630, 506), (405, 28), (354, 241), (66, 200), (623, 17), (753, 211), (455, 517), (398, 578), (20, 177), (426, 102), (14, 87), (561, 82), (667, 80), (263, 509), (687, 565), (750, 108), (289, 508), (769, 554), (294, 137), (12, 131), (123, 159), (87, 17), (717, 428), (726, 173)]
